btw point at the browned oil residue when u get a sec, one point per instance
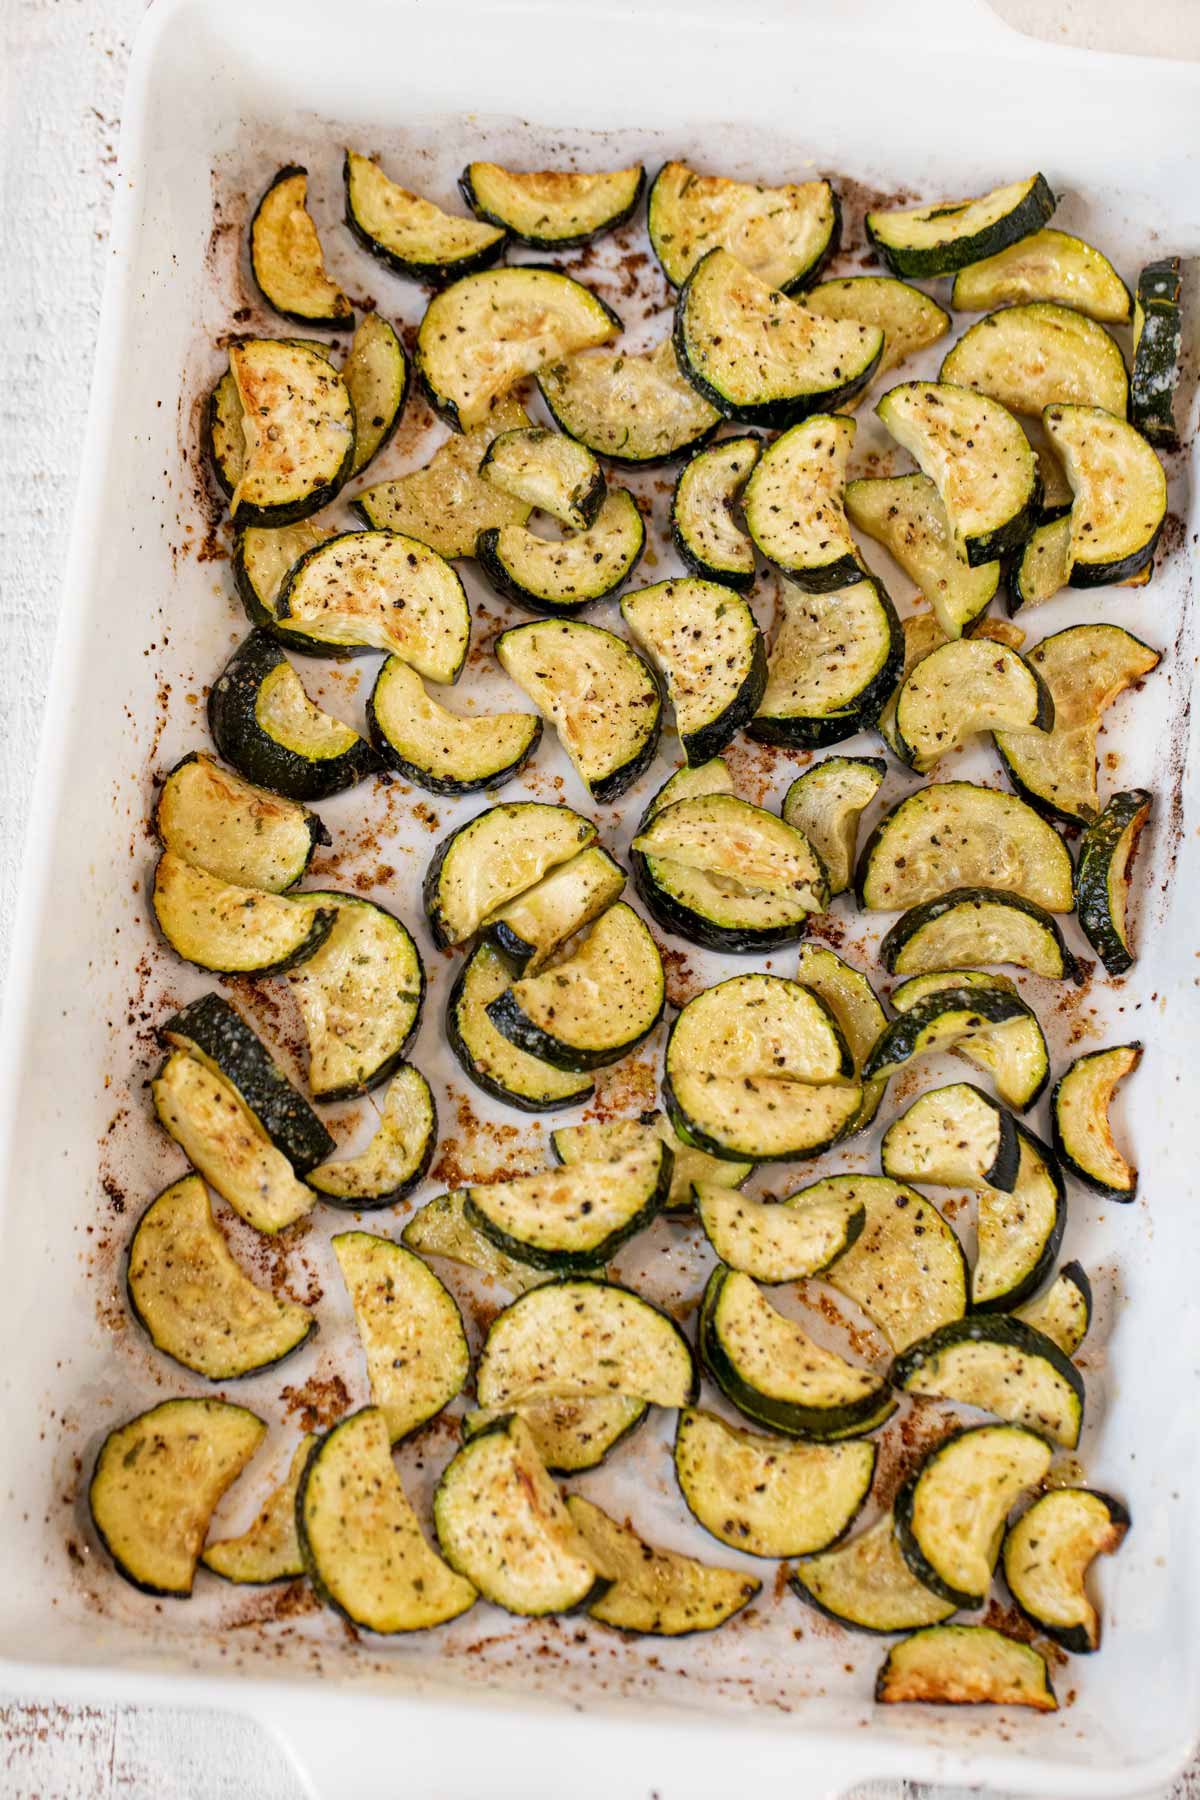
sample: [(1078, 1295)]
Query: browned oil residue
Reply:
[(319, 1403)]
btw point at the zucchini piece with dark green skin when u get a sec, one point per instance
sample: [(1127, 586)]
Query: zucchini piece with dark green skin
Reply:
[(299, 425), (360, 997), (225, 439), (1083, 1138), (1003, 1367), (269, 1549), (398, 1156), (1046, 1556), (906, 1269), (601, 697), (559, 577), (962, 689), (1043, 567), (867, 1585), (410, 1329), (1119, 489), (705, 643), (826, 803), (1029, 357), (232, 930), (377, 590), (574, 1219), (970, 926), (263, 557), (529, 929), (776, 1242), (547, 470), (234, 830), (363, 1549), (410, 235), (1049, 265), (1157, 352), (636, 410), (657, 1593), (1102, 877), (922, 241), (1019, 1233), (377, 374), (1064, 1312), (495, 856), (1014, 1053), (955, 1136), (703, 527), (594, 1008), (286, 257), (969, 1017), (965, 1665), (691, 1170), (784, 235), (910, 320), (215, 1033), (855, 1005), (835, 660), (265, 725), (905, 514), (194, 1301), (816, 364), (955, 834), (552, 209), (488, 1058), (794, 505), (571, 1435), (441, 751), (950, 1511), (157, 1481)]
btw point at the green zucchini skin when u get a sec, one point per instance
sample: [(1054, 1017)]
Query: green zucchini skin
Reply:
[(947, 258), (902, 1511), (1157, 353), (247, 748), (508, 1018), (436, 273), (740, 580), (985, 1328), (820, 731), (1100, 845), (1062, 1149), (212, 416), (1115, 574), (685, 922), (613, 223), (486, 1083), (898, 1042), (918, 917)]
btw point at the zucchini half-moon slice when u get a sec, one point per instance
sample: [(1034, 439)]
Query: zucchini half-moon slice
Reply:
[(965, 687), (703, 527), (442, 751), (397, 1157), (363, 1549), (794, 505), (547, 470), (1043, 568), (783, 235), (157, 1482), (263, 557), (265, 725), (410, 1329), (196, 1304), (951, 1510), (447, 503), (286, 257), (601, 697), (774, 1242), (298, 424), (269, 1549), (706, 644), (589, 1338), (1003, 1367), (528, 930), (225, 428), (1120, 493), (1085, 668), (441, 1228), (1049, 265), (1028, 357), (595, 1007), (657, 1593), (1157, 352), (765, 1497), (1083, 1136), (633, 408), (906, 1268), (955, 834), (410, 235), (571, 1435), (905, 515), (965, 1665), (759, 357), (1064, 1312), (612, 1139), (233, 830), (954, 1136), (922, 241), (376, 374), (493, 858), (1009, 1044), (560, 576), (377, 590), (826, 803), (233, 930), (855, 1005), (977, 457), (835, 660), (910, 320), (552, 209), (484, 333), (360, 996), (867, 1585), (1019, 1233), (970, 926), (1047, 1553), (1103, 875), (575, 1218)]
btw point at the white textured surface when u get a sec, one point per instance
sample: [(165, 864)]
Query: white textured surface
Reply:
[(62, 68)]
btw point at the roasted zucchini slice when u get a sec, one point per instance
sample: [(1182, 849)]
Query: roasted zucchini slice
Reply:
[(298, 422), (1019, 1233), (910, 320), (1119, 489), (377, 590), (764, 1496), (855, 1005), (589, 1338), (494, 1064), (1083, 1138), (593, 1008), (1003, 1367), (706, 645), (265, 725), (954, 1136), (484, 333), (529, 929), (1102, 877), (552, 209), (923, 634), (447, 503), (410, 1329), (263, 557), (906, 1268), (397, 1157), (656, 1593), (195, 1302), (491, 859), (363, 1549), (233, 930), (602, 699), (549, 471), (571, 1435), (954, 834), (826, 803), (359, 995), (689, 784), (1047, 1554), (1028, 357), (440, 1228), (269, 1548), (1157, 352), (867, 1584), (703, 527), (783, 235), (634, 408), (157, 1482), (224, 1140), (574, 1219), (794, 505), (725, 317), (237, 832), (560, 576), (973, 925), (1043, 568), (927, 240), (965, 687), (965, 1665), (691, 1170), (442, 751), (773, 1242), (1085, 668), (950, 1512), (286, 257), (1049, 265), (376, 374), (410, 235), (224, 436), (906, 516), (1064, 1312), (834, 662), (973, 1012), (977, 457)]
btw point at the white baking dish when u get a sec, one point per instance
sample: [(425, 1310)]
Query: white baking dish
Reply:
[(937, 97)]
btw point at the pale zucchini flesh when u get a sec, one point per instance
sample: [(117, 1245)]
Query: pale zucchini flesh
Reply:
[(410, 235), (552, 209), (783, 235), (528, 930), (635, 409), (905, 514), (691, 1169), (965, 687), (447, 502), (705, 643), (264, 556), (441, 1228), (269, 1549), (1018, 1233), (950, 1512), (954, 1136), (360, 997), (1001, 1366), (298, 424), (867, 1584), (834, 662), (396, 1158), (491, 1061), (571, 1434), (855, 1005), (494, 857), (1119, 492), (236, 832), (576, 1217), (1103, 875), (965, 1665), (1049, 265), (410, 1329), (265, 725), (1083, 1134), (906, 1268), (1047, 1554), (967, 927), (1029, 357), (585, 1338), (378, 590), (910, 320), (563, 575), (286, 256), (657, 1593), (233, 930), (941, 238), (955, 834), (443, 751), (376, 375), (794, 505), (774, 1242), (704, 526), (826, 803), (1064, 1312), (549, 471)]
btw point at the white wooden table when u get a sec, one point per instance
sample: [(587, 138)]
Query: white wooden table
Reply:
[(62, 74)]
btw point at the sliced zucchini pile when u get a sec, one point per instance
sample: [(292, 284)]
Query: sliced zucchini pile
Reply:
[(954, 1136), (442, 751), (547, 470), (909, 320), (398, 1156), (286, 256), (410, 235), (906, 1268), (410, 1329), (1003, 1367), (706, 645), (826, 804), (906, 516), (298, 423), (601, 697), (376, 374), (867, 1584), (495, 1064), (965, 1665), (360, 996), (783, 235), (954, 834), (1064, 1312), (237, 832), (1029, 357), (1047, 1554), (1083, 1137), (656, 1593), (940, 239), (1103, 874), (692, 1171), (1019, 1233), (575, 1218), (1157, 352), (447, 503), (835, 660), (269, 1548), (1049, 265), (794, 504), (635, 409), (552, 209), (560, 576), (1119, 493), (233, 930), (950, 1512), (704, 528), (855, 1005), (982, 1016), (775, 1243), (377, 590), (265, 725), (963, 688), (491, 859), (969, 926)]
